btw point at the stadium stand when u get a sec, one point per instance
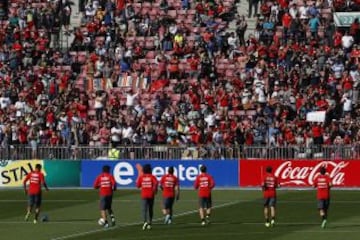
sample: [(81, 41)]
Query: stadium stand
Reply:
[(174, 73)]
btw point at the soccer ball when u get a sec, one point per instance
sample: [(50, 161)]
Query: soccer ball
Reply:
[(45, 218), (101, 222)]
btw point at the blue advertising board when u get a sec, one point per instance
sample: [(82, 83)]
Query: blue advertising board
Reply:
[(225, 172)]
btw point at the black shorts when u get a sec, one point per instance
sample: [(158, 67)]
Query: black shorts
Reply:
[(205, 202), (168, 202), (35, 200), (270, 202), (323, 204), (105, 202)]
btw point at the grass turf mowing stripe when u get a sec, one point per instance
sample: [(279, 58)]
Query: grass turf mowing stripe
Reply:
[(49, 222), (226, 234), (81, 234)]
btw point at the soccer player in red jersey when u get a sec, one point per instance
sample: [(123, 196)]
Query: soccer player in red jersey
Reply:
[(169, 184), (269, 185), (148, 185), (204, 182), (323, 184), (107, 185), (36, 179)]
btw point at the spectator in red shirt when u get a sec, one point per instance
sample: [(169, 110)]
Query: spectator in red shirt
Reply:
[(169, 185), (347, 82), (107, 185), (104, 133), (54, 139), (337, 39), (17, 46), (323, 184), (200, 8), (36, 179), (193, 62), (23, 132), (148, 185), (249, 138), (269, 185), (220, 9), (174, 68), (204, 183), (286, 22), (322, 104), (82, 108), (317, 132)]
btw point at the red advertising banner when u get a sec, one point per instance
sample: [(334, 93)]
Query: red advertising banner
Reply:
[(300, 173)]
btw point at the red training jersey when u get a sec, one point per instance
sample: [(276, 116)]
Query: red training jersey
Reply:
[(323, 184), (148, 185), (269, 184), (36, 179), (106, 183), (205, 183), (168, 183)]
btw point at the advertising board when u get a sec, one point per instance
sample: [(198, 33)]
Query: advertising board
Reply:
[(225, 172), (299, 173)]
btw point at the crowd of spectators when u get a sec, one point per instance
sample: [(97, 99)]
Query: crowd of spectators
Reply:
[(175, 73)]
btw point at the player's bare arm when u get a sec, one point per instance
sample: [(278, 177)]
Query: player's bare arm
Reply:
[(46, 186), (25, 189), (177, 192)]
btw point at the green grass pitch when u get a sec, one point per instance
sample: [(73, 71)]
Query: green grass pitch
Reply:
[(73, 214)]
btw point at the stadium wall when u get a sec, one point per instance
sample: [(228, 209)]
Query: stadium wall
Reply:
[(126, 172), (245, 173), (58, 173), (300, 173)]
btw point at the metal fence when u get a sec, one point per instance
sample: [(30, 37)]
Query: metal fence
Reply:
[(18, 152)]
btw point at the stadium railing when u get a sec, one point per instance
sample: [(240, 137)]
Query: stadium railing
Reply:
[(21, 152)]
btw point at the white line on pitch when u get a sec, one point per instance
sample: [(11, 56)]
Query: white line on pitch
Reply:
[(134, 224), (278, 223)]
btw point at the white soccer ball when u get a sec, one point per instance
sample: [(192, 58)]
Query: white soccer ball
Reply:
[(101, 222)]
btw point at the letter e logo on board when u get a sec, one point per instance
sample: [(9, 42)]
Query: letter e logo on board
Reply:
[(123, 173)]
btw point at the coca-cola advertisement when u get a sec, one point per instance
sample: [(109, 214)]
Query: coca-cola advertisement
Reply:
[(300, 173)]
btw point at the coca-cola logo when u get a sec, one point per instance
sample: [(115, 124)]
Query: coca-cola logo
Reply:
[(305, 175)]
